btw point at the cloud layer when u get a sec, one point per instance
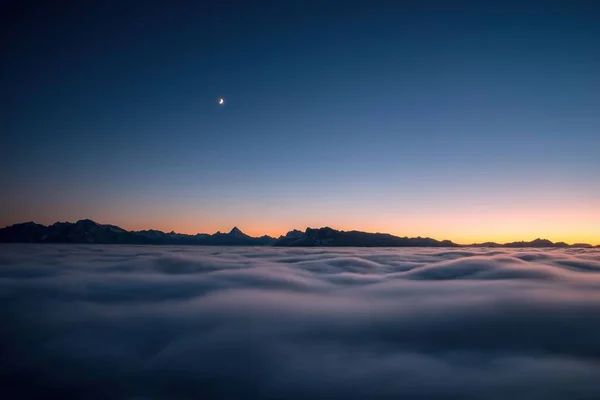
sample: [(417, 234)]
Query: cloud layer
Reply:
[(200, 322)]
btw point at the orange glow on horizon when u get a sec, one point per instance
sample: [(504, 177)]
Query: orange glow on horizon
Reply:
[(574, 222), (459, 229)]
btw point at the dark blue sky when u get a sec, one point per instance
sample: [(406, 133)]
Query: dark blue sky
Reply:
[(465, 120)]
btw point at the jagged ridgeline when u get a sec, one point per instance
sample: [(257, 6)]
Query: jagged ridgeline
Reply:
[(88, 231)]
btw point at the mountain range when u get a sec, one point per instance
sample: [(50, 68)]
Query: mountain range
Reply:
[(88, 231)]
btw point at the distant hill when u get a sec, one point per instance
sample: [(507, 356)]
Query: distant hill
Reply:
[(88, 231), (331, 237), (537, 243)]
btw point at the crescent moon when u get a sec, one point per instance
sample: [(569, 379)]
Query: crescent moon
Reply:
[(221, 101)]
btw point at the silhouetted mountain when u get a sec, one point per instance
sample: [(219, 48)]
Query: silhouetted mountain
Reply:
[(331, 237), (83, 231), (540, 243), (486, 244), (159, 237), (88, 231), (292, 234), (28, 232), (583, 245), (236, 238), (235, 231), (537, 243)]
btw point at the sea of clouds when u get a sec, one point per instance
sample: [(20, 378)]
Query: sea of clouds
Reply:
[(136, 322)]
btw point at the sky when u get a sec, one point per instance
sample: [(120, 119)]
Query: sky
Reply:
[(468, 121)]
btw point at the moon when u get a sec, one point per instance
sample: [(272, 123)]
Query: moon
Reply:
[(221, 101)]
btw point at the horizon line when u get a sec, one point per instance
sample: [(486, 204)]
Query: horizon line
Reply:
[(308, 227)]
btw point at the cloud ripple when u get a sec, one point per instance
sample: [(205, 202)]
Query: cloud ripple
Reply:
[(133, 322)]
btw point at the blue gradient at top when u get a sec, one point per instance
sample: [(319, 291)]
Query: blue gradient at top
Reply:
[(421, 104)]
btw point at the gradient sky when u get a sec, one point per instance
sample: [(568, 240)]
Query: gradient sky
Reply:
[(468, 121)]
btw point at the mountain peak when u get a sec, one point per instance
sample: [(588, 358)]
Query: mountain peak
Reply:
[(237, 232), (321, 231), (294, 233), (87, 222)]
